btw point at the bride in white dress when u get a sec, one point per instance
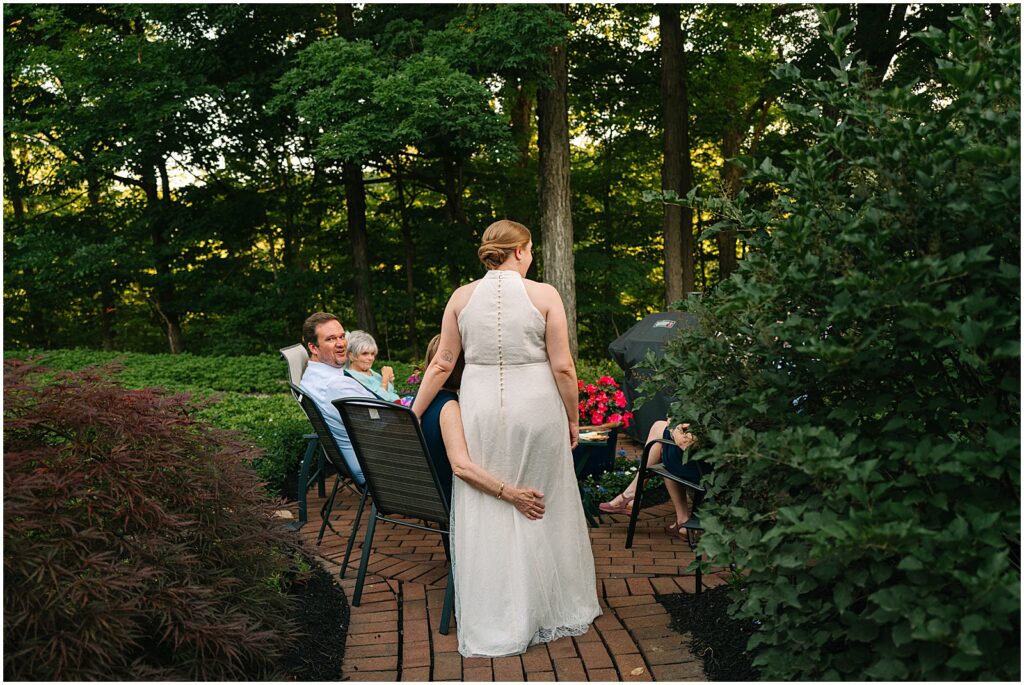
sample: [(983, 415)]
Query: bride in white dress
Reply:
[(523, 573)]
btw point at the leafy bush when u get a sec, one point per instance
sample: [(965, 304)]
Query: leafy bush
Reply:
[(271, 419), (262, 373), (136, 545), (592, 369), (615, 481), (859, 376), (275, 424)]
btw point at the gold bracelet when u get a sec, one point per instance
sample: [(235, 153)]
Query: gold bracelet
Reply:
[(500, 489)]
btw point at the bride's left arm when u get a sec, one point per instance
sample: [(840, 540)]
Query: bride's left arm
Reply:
[(556, 340)]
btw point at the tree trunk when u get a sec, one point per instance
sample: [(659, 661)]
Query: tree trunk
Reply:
[(355, 204), (731, 174), (677, 169), (158, 229), (410, 291), (553, 185), (453, 190), (522, 124), (518, 204), (13, 191), (107, 284), (877, 35)]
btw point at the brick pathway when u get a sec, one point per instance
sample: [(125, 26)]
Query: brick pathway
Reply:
[(393, 634)]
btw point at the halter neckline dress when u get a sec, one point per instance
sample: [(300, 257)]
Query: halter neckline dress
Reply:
[(517, 582)]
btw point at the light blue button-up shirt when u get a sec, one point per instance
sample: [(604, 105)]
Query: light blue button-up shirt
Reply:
[(323, 383)]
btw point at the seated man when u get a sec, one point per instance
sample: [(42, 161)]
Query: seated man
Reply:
[(325, 379)]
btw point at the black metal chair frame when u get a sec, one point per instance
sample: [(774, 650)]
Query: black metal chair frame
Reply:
[(330, 450), (442, 506), (692, 526), (306, 478)]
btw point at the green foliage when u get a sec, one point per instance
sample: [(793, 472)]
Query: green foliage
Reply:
[(616, 480), (276, 424), (263, 373), (589, 370), (857, 381), (246, 394)]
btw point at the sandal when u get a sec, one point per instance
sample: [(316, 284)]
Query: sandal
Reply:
[(625, 508)]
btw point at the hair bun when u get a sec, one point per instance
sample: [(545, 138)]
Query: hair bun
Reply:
[(492, 256), (499, 241)]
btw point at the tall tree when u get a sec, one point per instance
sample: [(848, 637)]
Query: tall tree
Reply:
[(355, 207), (677, 169), (553, 186)]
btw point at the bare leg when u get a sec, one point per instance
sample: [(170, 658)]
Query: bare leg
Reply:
[(680, 500), (654, 457)]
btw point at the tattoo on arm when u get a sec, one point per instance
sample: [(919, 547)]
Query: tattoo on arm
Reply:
[(447, 355)]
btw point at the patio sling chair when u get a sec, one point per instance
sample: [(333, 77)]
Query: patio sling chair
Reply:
[(692, 526), (400, 476), (297, 358), (330, 449)]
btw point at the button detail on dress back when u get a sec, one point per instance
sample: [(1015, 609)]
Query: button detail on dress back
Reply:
[(501, 354)]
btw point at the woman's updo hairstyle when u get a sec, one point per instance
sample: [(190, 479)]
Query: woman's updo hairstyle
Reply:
[(499, 241)]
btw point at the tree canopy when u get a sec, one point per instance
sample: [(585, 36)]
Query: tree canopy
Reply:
[(201, 177)]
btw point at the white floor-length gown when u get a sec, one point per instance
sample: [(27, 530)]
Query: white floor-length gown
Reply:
[(517, 581)]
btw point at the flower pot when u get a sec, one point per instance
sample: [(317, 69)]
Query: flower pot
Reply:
[(595, 459)]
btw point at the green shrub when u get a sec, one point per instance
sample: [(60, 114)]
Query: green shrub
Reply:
[(271, 419), (262, 373), (615, 481), (858, 379), (275, 424), (136, 545), (590, 370)]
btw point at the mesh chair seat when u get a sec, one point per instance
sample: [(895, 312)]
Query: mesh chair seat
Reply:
[(329, 447), (400, 477)]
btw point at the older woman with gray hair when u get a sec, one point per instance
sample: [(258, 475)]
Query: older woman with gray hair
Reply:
[(362, 350)]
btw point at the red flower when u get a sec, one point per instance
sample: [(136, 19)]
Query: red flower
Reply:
[(615, 418)]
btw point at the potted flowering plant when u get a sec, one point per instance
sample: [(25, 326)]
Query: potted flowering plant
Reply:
[(603, 404)]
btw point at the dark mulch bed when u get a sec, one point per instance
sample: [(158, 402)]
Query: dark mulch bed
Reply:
[(322, 614), (718, 639)]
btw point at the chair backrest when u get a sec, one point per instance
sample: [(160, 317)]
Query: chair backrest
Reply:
[(297, 358), (316, 419), (393, 455)]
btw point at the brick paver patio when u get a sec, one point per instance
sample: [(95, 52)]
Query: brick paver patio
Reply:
[(394, 634)]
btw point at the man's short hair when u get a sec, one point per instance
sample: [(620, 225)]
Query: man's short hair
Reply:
[(310, 325)]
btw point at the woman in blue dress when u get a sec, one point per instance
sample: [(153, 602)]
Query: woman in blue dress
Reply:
[(431, 423), (362, 351), (673, 458)]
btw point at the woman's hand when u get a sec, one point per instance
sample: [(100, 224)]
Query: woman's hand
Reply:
[(528, 501), (574, 435), (387, 375), (682, 437)]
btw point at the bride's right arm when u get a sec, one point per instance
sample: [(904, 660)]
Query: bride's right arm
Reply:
[(528, 501)]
